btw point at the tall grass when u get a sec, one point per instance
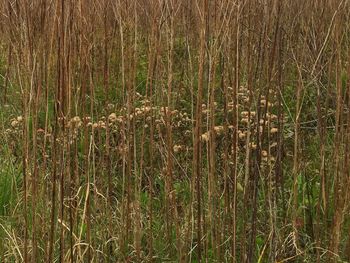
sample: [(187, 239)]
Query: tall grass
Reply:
[(182, 131)]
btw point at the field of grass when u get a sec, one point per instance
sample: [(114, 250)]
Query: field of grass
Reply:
[(175, 131)]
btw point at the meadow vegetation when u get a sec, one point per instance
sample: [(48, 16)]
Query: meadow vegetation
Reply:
[(174, 131)]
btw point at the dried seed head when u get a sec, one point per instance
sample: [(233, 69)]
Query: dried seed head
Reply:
[(14, 123), (252, 146), (273, 145), (219, 129), (242, 88), (112, 117), (110, 106), (138, 112), (244, 114), (245, 120), (40, 130), (146, 109), (177, 148), (75, 121), (241, 135), (273, 130), (102, 124), (205, 137), (273, 117)]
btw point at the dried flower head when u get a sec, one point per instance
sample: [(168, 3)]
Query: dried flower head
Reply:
[(273, 130), (262, 121), (205, 137), (245, 120), (40, 130), (75, 122), (273, 145), (244, 114), (112, 117), (14, 123), (219, 129), (252, 146), (273, 117), (177, 148), (110, 106), (241, 135)]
